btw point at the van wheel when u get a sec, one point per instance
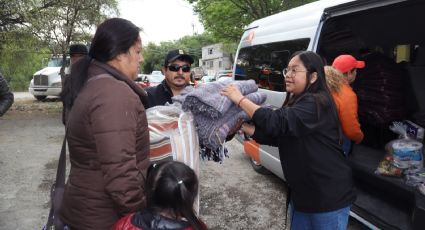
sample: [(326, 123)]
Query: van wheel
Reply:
[(259, 168), (40, 98)]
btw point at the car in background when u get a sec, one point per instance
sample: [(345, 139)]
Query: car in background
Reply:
[(224, 75), (150, 80), (155, 78), (142, 80), (156, 72)]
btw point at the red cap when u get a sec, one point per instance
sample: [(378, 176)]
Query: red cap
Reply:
[(345, 63)]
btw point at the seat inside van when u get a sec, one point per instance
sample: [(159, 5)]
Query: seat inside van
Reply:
[(391, 40)]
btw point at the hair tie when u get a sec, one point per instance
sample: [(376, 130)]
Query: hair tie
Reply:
[(180, 182)]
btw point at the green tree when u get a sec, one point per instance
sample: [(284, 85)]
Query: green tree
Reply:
[(21, 55), (226, 19), (28, 27), (16, 13), (71, 21)]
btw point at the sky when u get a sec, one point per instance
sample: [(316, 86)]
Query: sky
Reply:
[(161, 20)]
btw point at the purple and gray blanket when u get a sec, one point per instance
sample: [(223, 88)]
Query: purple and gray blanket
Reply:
[(216, 115)]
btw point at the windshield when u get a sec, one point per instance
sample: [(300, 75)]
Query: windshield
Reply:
[(156, 78), (55, 62), (156, 72)]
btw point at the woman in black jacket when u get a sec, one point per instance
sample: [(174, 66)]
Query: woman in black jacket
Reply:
[(306, 130)]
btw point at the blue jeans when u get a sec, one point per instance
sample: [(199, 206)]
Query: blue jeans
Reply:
[(346, 145), (334, 220)]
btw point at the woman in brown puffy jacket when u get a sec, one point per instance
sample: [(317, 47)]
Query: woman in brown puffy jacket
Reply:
[(108, 137)]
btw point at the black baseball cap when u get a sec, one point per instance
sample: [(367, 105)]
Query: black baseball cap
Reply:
[(78, 49), (177, 54)]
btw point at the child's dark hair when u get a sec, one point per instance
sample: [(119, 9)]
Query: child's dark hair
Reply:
[(173, 185)]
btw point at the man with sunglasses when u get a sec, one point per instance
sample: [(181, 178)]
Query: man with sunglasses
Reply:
[(176, 70)]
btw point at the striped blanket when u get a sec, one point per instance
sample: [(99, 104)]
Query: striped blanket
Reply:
[(173, 135)]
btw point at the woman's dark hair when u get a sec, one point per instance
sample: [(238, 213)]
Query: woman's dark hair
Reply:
[(113, 37), (314, 63), (173, 185)]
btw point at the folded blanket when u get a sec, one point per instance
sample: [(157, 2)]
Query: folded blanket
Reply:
[(212, 132), (180, 98), (207, 100), (161, 121)]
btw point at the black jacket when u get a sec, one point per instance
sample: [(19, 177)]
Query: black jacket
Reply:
[(315, 168), (149, 220), (159, 95), (6, 97)]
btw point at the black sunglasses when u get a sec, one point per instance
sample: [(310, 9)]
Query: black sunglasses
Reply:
[(176, 68)]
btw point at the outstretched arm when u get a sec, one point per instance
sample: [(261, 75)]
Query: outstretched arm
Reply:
[(234, 94)]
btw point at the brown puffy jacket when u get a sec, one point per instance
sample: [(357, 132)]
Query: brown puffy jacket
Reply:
[(108, 141)]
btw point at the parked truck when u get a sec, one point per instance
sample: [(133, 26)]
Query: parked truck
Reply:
[(47, 81)]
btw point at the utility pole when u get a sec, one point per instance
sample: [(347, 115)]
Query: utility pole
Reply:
[(193, 28)]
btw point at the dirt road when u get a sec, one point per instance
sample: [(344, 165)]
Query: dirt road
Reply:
[(233, 196)]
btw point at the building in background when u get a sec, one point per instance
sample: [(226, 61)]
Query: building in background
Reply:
[(214, 59)]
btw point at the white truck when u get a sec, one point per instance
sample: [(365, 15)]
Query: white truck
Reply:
[(47, 81)]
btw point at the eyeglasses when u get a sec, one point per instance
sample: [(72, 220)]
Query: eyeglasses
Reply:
[(176, 68), (287, 72)]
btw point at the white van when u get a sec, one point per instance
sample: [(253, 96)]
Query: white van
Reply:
[(389, 35), (47, 81)]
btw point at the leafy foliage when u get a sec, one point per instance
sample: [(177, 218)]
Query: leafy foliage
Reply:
[(21, 56), (226, 19), (27, 25), (71, 21)]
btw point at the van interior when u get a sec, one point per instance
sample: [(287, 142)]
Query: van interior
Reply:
[(391, 41)]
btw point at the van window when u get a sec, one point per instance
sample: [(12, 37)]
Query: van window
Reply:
[(264, 63)]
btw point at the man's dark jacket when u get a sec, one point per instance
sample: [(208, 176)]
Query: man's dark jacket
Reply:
[(159, 95), (6, 97)]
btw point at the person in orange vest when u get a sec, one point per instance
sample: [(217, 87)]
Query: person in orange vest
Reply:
[(339, 76)]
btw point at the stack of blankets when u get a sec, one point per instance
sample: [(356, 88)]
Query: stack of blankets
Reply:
[(380, 89), (215, 115)]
